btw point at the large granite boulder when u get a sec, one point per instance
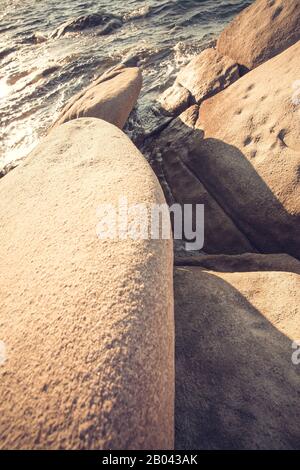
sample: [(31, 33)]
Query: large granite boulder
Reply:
[(249, 157), (237, 386), (261, 31), (87, 323), (204, 76), (111, 97)]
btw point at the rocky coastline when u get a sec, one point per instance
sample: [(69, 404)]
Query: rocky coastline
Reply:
[(139, 344)]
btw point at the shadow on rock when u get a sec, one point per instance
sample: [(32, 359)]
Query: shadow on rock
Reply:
[(236, 385)]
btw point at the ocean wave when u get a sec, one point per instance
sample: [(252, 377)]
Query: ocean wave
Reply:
[(137, 13)]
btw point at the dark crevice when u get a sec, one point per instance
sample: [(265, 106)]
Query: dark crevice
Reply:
[(217, 200), (243, 70)]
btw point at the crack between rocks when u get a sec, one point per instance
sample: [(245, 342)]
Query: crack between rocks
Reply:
[(236, 225)]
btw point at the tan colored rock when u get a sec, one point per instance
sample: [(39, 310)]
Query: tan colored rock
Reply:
[(236, 384), (204, 76), (172, 146), (207, 74), (250, 155), (175, 99), (261, 31), (87, 323), (111, 97)]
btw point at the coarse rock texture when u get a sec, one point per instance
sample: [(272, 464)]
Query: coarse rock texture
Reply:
[(172, 146), (261, 31), (87, 323), (249, 157), (111, 97), (204, 76), (236, 384)]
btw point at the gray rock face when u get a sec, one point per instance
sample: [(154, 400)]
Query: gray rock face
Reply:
[(87, 323)]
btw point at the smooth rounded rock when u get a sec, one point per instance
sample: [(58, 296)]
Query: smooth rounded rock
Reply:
[(87, 323), (111, 97)]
